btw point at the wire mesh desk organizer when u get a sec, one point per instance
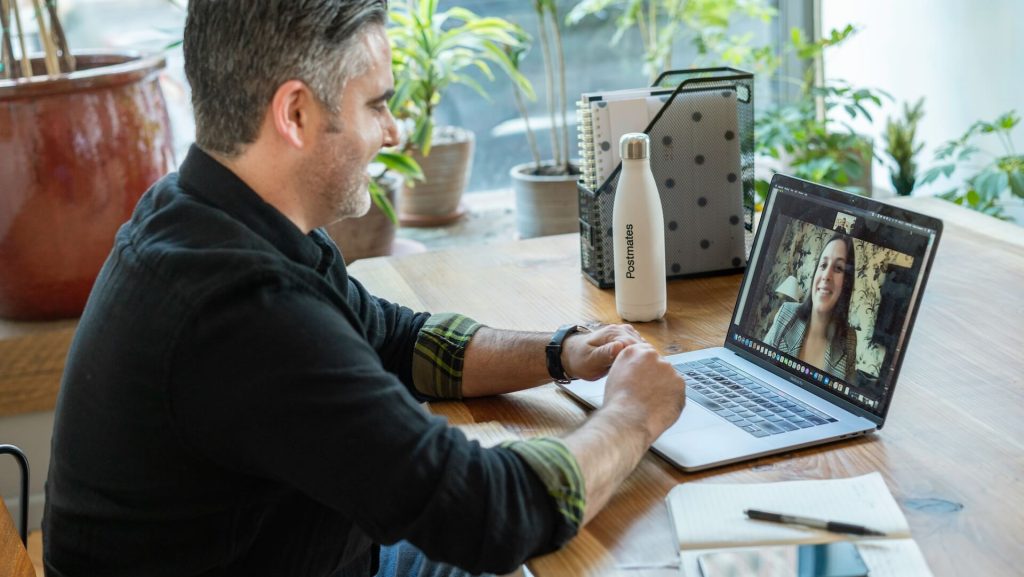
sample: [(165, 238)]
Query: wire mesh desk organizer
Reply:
[(701, 126)]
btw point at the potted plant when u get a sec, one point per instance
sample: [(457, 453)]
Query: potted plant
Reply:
[(431, 51), (806, 138), (547, 200), (993, 186), (902, 148), (545, 190), (84, 135)]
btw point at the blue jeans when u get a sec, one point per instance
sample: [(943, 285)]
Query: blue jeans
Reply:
[(404, 560)]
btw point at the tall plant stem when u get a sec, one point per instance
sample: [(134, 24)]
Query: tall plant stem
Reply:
[(645, 37), (666, 61), (652, 21), (549, 75), (530, 138), (8, 49), (45, 36), (1007, 143), (59, 37), (562, 92), (26, 64)]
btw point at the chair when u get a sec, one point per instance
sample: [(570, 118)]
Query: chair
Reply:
[(14, 559)]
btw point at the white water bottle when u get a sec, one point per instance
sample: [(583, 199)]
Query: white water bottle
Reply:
[(638, 226)]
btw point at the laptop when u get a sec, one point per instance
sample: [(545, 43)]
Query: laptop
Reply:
[(777, 384)]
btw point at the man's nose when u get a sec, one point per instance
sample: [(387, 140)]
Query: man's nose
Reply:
[(390, 131)]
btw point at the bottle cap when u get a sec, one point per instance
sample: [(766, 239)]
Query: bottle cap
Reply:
[(634, 146)]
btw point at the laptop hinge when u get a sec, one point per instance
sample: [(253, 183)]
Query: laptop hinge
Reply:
[(808, 386)]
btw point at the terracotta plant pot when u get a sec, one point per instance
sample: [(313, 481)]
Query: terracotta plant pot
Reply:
[(76, 153), (546, 202), (370, 235), (436, 200)]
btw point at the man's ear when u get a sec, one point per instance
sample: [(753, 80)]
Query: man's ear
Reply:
[(293, 112)]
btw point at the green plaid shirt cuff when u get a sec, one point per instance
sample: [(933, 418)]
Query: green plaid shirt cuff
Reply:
[(440, 353), (560, 473)]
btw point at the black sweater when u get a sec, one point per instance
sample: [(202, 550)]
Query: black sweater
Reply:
[(235, 404)]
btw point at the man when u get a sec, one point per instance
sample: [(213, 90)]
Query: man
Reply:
[(235, 404)]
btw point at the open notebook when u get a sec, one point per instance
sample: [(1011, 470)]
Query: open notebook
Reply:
[(709, 516)]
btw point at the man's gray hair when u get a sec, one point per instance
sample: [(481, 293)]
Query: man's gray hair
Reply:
[(238, 52)]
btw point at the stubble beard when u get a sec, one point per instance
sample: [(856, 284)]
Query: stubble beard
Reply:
[(342, 184), (352, 199)]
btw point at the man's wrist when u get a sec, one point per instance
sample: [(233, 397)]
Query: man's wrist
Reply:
[(626, 416), (554, 349)]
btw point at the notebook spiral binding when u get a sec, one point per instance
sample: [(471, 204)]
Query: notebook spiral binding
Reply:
[(585, 137)]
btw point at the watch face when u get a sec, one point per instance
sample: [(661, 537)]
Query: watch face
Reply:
[(554, 352)]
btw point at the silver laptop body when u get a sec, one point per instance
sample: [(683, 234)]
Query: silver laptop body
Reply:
[(754, 397)]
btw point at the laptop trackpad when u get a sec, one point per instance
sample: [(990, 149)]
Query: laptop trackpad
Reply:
[(694, 417)]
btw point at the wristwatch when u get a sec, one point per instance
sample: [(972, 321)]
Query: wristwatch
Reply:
[(554, 352)]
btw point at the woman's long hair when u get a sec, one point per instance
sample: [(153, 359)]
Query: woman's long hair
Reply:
[(841, 312)]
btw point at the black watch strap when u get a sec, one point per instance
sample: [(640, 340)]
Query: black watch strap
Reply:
[(554, 352)]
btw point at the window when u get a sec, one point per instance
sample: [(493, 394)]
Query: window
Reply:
[(592, 63)]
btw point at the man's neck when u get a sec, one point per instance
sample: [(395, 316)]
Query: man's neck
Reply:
[(270, 179)]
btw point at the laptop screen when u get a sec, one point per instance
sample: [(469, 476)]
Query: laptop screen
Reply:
[(832, 289)]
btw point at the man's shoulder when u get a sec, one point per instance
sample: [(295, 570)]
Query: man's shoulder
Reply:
[(170, 217), (191, 250)]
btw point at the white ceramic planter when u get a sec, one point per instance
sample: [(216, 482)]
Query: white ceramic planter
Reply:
[(545, 205)]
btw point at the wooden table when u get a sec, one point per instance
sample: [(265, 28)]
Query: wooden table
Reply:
[(952, 450), (14, 559)]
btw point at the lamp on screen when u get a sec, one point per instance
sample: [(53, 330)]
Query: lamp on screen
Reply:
[(788, 289)]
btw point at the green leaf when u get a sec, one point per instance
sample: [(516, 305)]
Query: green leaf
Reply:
[(932, 174), (499, 56), (991, 183), (380, 198), (1016, 181), (403, 89), (587, 8), (427, 10), (400, 163), (761, 188), (973, 198), (865, 112), (430, 51), (1008, 121), (472, 83), (422, 134)]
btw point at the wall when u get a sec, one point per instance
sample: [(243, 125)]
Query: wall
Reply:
[(964, 57)]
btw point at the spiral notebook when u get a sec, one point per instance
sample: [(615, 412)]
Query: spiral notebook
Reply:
[(603, 117)]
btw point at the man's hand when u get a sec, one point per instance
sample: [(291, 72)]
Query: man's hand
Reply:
[(643, 396), (645, 389), (588, 356)]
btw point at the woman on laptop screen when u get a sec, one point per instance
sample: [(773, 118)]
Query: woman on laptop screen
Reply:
[(817, 330)]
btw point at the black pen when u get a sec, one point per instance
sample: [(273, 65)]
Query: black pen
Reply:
[(834, 526)]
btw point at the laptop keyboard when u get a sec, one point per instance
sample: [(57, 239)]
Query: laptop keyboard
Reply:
[(748, 403)]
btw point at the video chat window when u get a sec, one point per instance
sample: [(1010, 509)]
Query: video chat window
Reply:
[(831, 290)]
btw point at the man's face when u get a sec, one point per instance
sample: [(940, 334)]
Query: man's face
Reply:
[(336, 168)]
